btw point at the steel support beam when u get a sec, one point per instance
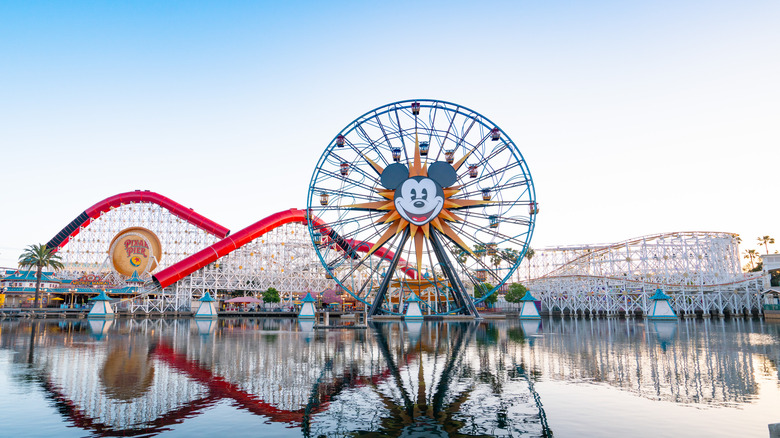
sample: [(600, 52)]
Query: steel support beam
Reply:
[(458, 290), (380, 294)]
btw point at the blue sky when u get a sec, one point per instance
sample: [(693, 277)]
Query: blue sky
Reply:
[(634, 117)]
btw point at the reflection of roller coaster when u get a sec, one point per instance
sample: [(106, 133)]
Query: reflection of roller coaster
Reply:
[(699, 270), (199, 254)]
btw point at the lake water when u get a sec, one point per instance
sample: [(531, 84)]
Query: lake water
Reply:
[(280, 377)]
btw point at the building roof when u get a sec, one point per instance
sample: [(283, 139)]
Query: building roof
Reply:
[(660, 295), (28, 275), (101, 297), (124, 290), (206, 298), (528, 297), (134, 278)]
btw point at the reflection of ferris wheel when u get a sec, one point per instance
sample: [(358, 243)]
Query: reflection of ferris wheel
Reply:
[(423, 197)]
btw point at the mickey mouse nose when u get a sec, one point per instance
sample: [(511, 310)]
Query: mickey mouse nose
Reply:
[(419, 204)]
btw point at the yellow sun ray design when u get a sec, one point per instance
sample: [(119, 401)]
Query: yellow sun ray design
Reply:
[(397, 224)]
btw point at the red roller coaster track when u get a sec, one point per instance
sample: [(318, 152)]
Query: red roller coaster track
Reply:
[(187, 266), (138, 196)]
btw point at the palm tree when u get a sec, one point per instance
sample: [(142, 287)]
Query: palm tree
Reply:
[(39, 256), (766, 240), (496, 259), (479, 250), (751, 254), (529, 255), (510, 255)]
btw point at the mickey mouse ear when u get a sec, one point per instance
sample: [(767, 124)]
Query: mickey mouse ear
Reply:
[(443, 173), (394, 175)]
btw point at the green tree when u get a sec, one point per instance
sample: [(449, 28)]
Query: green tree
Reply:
[(515, 292), (766, 240), (39, 256), (481, 289), (751, 254), (271, 296)]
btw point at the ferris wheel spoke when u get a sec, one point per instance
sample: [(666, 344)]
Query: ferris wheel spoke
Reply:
[(400, 130), (455, 250), (359, 169), (374, 166), (466, 132), (469, 152), (497, 187), (362, 134), (435, 132), (367, 257), (339, 193), (495, 183), (504, 237), (488, 173), (449, 127), (384, 133), (361, 292), (369, 279), (520, 221), (465, 204), (340, 223), (340, 177)]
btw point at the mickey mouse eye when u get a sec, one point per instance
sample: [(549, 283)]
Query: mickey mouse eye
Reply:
[(425, 194), (414, 194)]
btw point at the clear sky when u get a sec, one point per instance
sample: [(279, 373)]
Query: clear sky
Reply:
[(635, 117)]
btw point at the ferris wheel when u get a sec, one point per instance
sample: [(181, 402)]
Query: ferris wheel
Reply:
[(425, 198)]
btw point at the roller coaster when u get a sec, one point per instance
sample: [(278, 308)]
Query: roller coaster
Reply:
[(700, 271), (198, 253)]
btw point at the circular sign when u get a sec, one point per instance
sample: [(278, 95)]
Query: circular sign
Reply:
[(135, 249)]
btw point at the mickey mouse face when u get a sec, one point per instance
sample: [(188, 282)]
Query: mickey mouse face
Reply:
[(419, 200)]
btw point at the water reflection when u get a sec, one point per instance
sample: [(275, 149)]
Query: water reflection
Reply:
[(143, 377)]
